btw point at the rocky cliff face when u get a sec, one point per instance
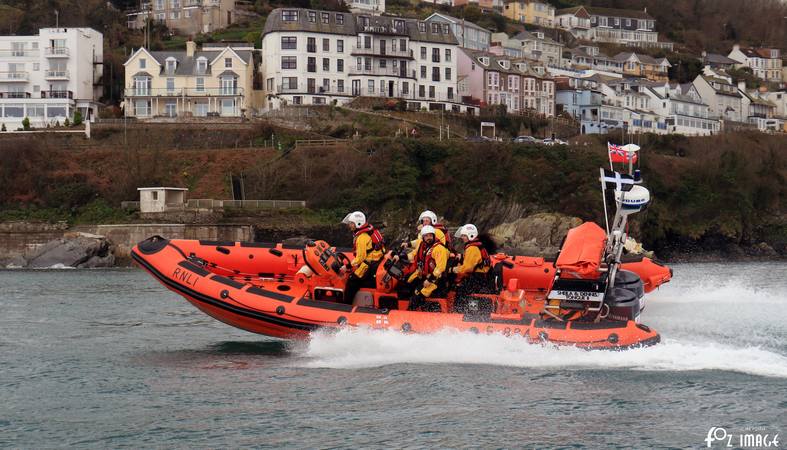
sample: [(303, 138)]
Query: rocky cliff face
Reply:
[(80, 250), (535, 235)]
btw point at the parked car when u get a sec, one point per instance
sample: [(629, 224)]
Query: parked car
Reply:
[(525, 140), (479, 139), (550, 142)]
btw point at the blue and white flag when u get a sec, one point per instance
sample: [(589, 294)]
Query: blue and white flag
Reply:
[(617, 181)]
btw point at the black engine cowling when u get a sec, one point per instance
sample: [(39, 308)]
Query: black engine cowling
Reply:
[(625, 300)]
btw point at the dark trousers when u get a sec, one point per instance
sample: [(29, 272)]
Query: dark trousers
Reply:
[(355, 283), (475, 283)]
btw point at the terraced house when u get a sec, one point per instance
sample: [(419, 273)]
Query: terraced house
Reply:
[(617, 26), (639, 65), (212, 81), (530, 11), (184, 16), (765, 63), (490, 79), (48, 76), (318, 57)]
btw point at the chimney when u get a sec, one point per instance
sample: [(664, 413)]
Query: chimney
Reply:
[(191, 47)]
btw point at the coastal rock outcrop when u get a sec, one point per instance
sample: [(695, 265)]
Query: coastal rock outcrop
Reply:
[(538, 234), (80, 250)]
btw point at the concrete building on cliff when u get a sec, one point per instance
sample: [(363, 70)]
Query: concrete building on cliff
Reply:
[(48, 76)]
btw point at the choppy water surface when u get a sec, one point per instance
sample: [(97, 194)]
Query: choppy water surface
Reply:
[(109, 358)]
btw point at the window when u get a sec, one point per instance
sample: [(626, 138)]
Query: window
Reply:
[(297, 100), (326, 45), (229, 85), (201, 109), (289, 62), (340, 46), (311, 45), (431, 91), (55, 111), (311, 64), (422, 27), (383, 63), (340, 86), (324, 17), (446, 29), (423, 52), (171, 65), (435, 74), (447, 73), (371, 86), (402, 45), (448, 55), (435, 28), (35, 110), (289, 83), (398, 24), (228, 107), (142, 63), (318, 100), (340, 65), (339, 19), (421, 91), (367, 42), (154, 195), (174, 15), (423, 71), (142, 85), (382, 86), (326, 64), (628, 22), (202, 65), (326, 84), (405, 88), (289, 43), (170, 108), (201, 84), (159, 4), (436, 55), (367, 64), (289, 16), (170, 85), (312, 16)]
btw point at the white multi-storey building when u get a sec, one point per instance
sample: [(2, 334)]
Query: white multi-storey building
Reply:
[(765, 63), (48, 76), (366, 6), (318, 57)]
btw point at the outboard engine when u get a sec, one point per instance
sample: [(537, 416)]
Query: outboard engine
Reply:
[(626, 299)]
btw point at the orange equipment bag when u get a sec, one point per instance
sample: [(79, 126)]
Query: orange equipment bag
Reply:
[(582, 251)]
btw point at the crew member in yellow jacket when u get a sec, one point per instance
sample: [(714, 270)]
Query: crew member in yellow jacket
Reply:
[(368, 250), (473, 272), (431, 258)]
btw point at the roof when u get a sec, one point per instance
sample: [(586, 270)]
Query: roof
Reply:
[(646, 59), (187, 64), (527, 36), (752, 52), (352, 25), (715, 58), (494, 63), (162, 189), (614, 12), (456, 20), (573, 11)]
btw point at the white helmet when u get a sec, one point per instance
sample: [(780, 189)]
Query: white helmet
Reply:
[(468, 230), (427, 229), (356, 217), (428, 214)]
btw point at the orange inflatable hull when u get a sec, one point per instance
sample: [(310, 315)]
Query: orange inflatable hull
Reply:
[(256, 287)]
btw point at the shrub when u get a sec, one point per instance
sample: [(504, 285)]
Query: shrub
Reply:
[(2, 128), (77, 118), (26, 124), (66, 123)]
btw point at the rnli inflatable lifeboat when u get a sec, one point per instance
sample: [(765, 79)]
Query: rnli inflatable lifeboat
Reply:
[(288, 291)]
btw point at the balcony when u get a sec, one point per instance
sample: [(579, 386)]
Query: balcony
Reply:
[(186, 92), (56, 75), (400, 72), (56, 52), (387, 53), (57, 94), (14, 76), (18, 53), (14, 95)]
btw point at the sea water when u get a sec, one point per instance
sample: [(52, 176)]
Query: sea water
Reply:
[(110, 358)]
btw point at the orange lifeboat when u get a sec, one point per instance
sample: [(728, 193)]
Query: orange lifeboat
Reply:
[(288, 291)]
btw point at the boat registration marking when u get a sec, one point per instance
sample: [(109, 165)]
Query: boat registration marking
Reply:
[(577, 296)]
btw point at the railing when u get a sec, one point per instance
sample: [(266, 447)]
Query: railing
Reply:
[(56, 51), (384, 71), (23, 52), (129, 205), (57, 74), (244, 204), (14, 95), (57, 94), (319, 142), (184, 92), (387, 53), (14, 76)]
